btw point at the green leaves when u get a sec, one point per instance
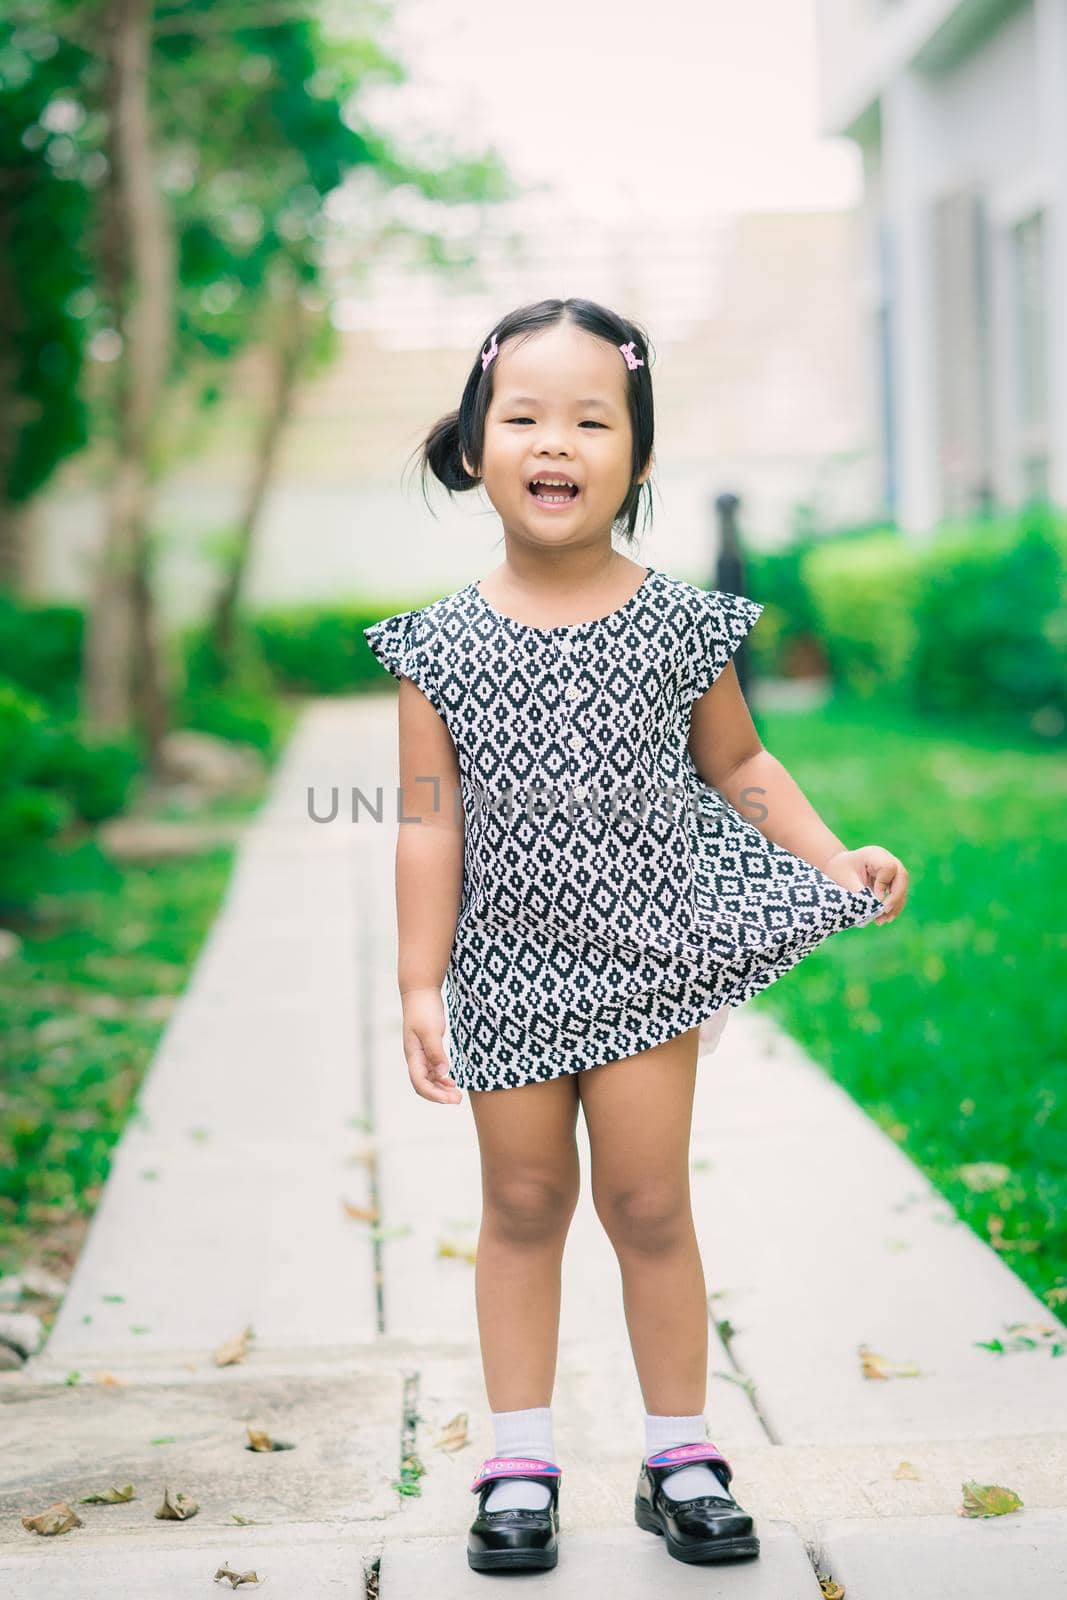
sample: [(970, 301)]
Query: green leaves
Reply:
[(988, 1500)]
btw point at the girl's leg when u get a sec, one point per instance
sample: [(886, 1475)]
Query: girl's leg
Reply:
[(639, 1114), (530, 1186)]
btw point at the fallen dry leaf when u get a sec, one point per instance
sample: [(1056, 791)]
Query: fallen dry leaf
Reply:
[(982, 1176), (233, 1349), (831, 1590), (58, 1518), (361, 1213), (876, 1366), (259, 1439), (987, 1500), (997, 1240), (110, 1497), (906, 1473), (1035, 1330), (110, 1380), (453, 1435), (176, 1507), (235, 1578)]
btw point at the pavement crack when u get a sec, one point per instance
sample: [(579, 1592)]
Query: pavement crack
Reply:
[(364, 923), (725, 1330)]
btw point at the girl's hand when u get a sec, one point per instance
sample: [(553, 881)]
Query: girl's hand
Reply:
[(871, 867), (424, 1029)]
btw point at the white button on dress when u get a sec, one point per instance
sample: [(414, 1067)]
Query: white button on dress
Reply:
[(590, 932)]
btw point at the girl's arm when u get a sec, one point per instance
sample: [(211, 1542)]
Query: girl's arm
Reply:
[(429, 884), (730, 756)]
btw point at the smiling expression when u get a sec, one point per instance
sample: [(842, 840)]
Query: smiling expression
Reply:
[(559, 411)]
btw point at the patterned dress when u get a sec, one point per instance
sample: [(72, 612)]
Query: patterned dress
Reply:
[(611, 898)]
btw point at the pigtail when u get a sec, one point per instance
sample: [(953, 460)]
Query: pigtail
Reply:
[(442, 454)]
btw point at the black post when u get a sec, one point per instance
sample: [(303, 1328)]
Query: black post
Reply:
[(730, 571)]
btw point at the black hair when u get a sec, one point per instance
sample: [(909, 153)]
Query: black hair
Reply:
[(463, 431)]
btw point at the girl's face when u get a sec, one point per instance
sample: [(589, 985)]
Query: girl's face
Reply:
[(558, 410)]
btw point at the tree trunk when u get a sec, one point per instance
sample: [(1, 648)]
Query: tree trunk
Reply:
[(123, 666), (14, 555), (286, 349), (11, 521)]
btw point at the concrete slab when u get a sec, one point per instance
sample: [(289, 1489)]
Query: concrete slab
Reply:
[(225, 1201), (625, 1563), (950, 1558), (291, 1562), (283, 1068), (202, 1238), (62, 1443)]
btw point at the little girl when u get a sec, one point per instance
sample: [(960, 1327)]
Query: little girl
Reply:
[(605, 858)]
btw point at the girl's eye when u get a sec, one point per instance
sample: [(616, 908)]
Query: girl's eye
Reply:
[(588, 424)]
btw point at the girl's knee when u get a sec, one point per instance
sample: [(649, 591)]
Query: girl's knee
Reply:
[(527, 1208), (649, 1216)]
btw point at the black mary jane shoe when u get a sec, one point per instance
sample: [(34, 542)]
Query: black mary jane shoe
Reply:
[(710, 1527), (518, 1539)]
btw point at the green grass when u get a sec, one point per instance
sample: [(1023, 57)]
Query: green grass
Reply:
[(82, 1005), (957, 1011)]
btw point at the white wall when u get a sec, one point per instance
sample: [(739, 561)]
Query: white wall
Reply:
[(995, 123)]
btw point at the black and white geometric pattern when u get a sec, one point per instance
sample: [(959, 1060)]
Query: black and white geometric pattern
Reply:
[(611, 898)]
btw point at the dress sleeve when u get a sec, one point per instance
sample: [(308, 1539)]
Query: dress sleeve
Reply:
[(721, 621), (400, 644)]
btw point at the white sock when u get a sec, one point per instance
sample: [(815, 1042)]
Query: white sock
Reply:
[(663, 1433), (521, 1433)]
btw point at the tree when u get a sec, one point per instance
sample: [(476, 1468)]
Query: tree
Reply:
[(212, 136), (46, 175)]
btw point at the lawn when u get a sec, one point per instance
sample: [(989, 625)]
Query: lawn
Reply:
[(82, 1006), (957, 1011)]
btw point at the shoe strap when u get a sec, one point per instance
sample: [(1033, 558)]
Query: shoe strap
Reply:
[(680, 1454), (515, 1467)]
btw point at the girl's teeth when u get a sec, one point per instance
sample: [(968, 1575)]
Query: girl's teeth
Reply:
[(552, 495)]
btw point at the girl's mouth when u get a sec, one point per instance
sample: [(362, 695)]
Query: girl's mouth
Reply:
[(553, 496)]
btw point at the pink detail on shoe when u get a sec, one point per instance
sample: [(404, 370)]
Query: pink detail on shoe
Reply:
[(687, 1452), (514, 1467)]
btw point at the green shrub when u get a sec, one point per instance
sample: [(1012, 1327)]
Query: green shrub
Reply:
[(992, 621), (968, 621), (40, 649), (29, 816), (790, 637), (233, 699), (865, 599), (314, 649), (239, 715), (95, 774), (299, 649)]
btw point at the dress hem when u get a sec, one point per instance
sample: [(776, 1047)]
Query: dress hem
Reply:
[(644, 1035)]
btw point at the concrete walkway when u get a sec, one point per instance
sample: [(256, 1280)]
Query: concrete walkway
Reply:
[(279, 1097)]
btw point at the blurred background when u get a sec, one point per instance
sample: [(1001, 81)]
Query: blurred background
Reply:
[(247, 254)]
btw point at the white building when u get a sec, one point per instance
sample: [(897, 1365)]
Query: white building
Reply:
[(959, 108)]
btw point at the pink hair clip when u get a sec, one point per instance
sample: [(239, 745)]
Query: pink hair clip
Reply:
[(632, 361), (489, 352)]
